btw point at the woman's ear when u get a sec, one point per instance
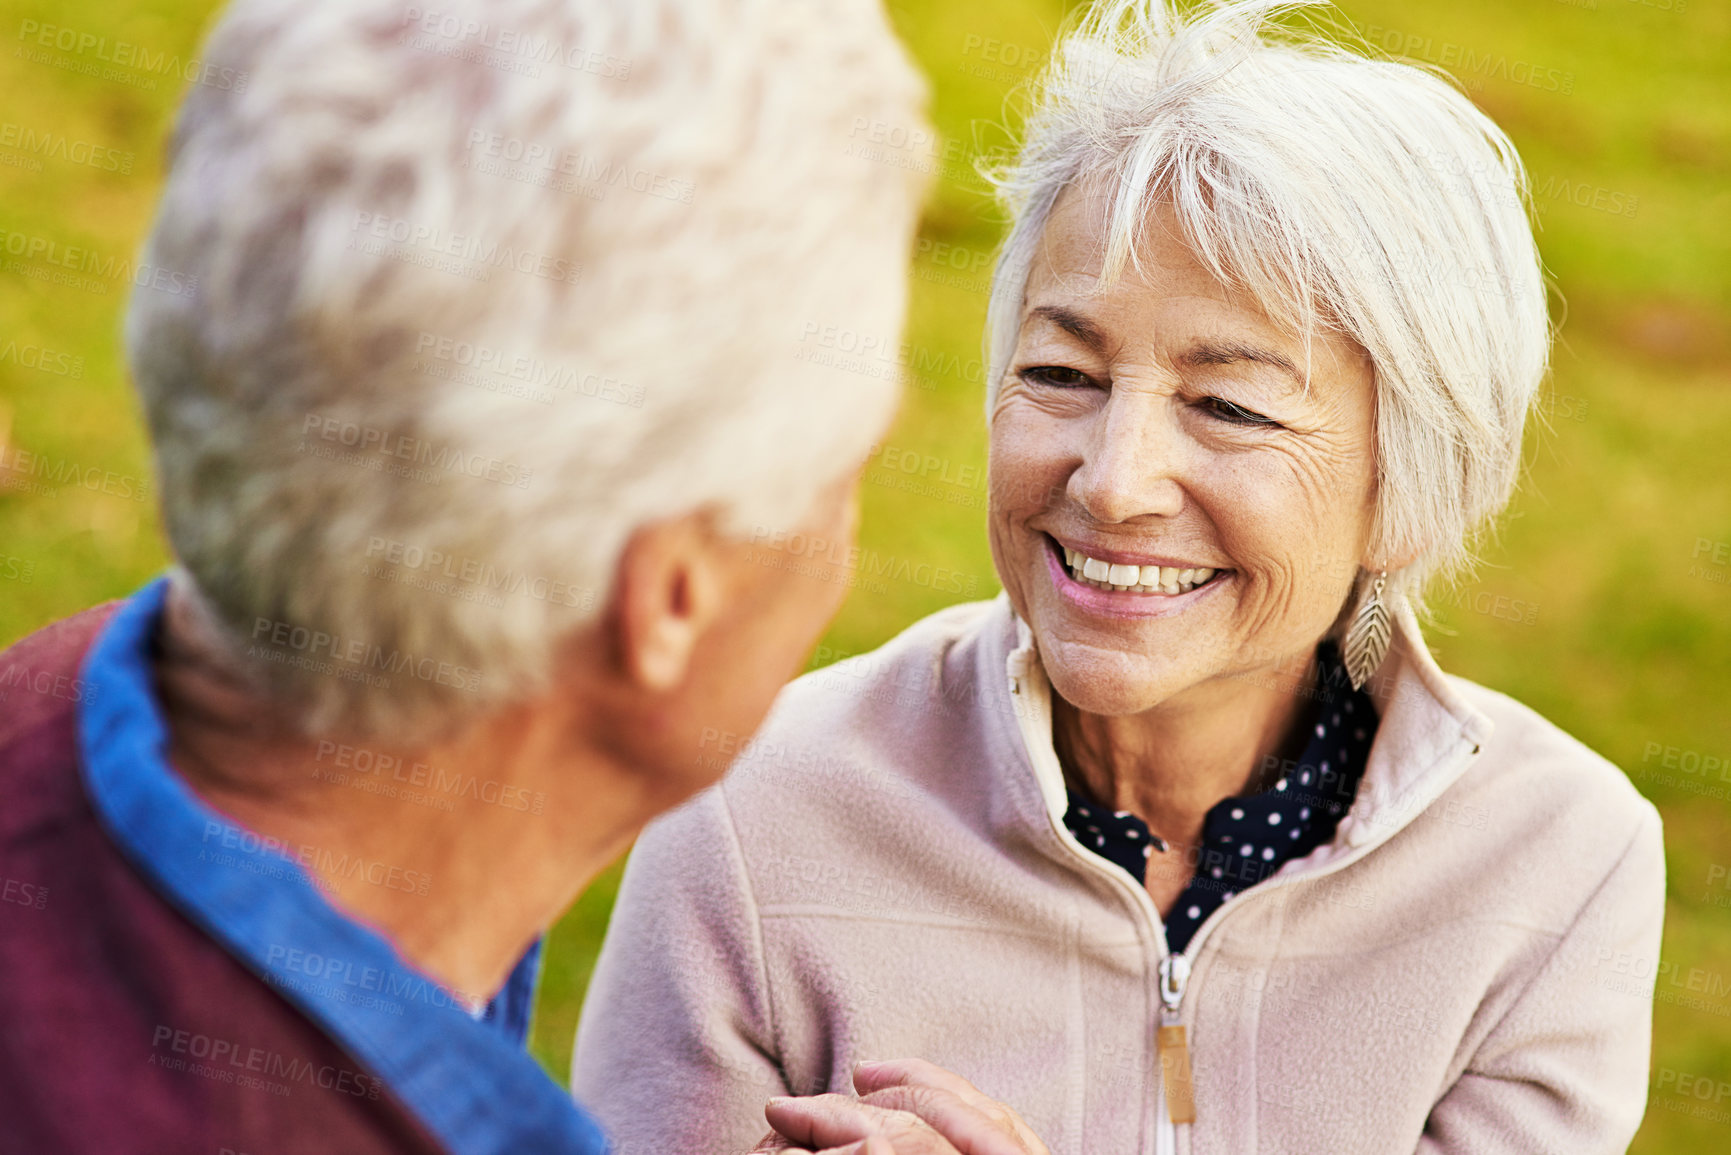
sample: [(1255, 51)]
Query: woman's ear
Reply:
[(669, 588), (1391, 557)]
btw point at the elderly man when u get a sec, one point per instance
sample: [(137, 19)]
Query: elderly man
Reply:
[(492, 377)]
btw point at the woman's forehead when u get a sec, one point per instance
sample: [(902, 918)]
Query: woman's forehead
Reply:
[(1069, 278), (1165, 291)]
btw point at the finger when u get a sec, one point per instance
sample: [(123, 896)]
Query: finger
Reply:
[(876, 1145), (837, 1119), (973, 1130), (820, 1121), (875, 1076)]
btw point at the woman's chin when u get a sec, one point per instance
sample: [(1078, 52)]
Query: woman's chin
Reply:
[(1111, 688)]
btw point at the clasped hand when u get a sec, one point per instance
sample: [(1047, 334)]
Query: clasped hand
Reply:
[(905, 1107)]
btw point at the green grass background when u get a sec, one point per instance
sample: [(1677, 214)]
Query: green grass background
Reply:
[(1623, 635)]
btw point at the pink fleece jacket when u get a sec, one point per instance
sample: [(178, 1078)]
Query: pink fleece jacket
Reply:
[(887, 873)]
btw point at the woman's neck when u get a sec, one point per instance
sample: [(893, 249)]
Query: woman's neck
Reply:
[(1170, 765)]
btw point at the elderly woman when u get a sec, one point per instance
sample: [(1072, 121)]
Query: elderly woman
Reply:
[(1185, 844), (484, 390)]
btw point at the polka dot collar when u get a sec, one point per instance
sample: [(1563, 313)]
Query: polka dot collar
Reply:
[(1245, 839)]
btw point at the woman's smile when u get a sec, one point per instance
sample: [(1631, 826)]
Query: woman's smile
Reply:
[(1105, 582)]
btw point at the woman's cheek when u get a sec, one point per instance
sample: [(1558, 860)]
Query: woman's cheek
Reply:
[(1025, 468)]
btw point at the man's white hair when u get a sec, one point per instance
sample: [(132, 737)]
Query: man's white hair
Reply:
[(1364, 195), (482, 289)]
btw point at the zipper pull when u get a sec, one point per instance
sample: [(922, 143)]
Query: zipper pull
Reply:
[(1174, 1049)]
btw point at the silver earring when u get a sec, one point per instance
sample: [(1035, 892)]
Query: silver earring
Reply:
[(1367, 638)]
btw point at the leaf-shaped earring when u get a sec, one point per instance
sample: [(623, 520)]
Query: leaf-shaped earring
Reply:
[(1367, 638)]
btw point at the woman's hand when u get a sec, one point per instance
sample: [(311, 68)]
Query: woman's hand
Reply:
[(906, 1107)]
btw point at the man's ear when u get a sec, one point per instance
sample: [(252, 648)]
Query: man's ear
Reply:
[(668, 588)]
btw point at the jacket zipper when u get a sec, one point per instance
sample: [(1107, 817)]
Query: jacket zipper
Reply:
[(1174, 968), (1174, 1052)]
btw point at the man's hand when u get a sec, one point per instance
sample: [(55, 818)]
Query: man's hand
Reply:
[(906, 1107)]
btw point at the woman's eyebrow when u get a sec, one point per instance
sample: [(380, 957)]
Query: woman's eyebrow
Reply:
[(1074, 324), (1228, 352)]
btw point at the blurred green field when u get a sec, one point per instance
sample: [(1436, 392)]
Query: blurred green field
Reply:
[(1605, 601)]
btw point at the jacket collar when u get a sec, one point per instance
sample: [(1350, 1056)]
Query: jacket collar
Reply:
[(1425, 737), (470, 1083)]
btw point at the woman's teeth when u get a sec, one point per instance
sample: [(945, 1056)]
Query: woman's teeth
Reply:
[(1151, 579)]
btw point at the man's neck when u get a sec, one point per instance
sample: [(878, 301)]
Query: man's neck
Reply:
[(461, 852)]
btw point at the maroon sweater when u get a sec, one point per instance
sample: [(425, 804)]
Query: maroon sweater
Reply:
[(124, 1029)]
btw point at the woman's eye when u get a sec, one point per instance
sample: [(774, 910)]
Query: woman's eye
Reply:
[(1235, 414), (1056, 376)]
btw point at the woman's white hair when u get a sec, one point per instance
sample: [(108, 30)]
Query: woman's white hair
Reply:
[(1336, 190), (483, 288)]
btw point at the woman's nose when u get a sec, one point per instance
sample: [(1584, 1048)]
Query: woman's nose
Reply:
[(1133, 462)]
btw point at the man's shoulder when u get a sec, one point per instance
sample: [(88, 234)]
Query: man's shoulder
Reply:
[(129, 1027), (40, 691), (39, 674)]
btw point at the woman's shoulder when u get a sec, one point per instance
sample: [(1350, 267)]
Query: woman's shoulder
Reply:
[(916, 677), (880, 719), (1531, 766)]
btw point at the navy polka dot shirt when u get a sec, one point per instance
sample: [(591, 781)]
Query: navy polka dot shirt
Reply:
[(1246, 839)]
